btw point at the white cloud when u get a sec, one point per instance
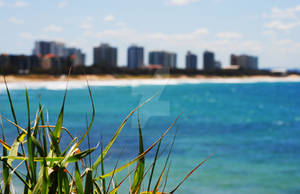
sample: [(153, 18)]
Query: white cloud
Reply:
[(198, 33), (201, 31), (63, 4), (229, 35), (86, 26), (277, 13), (53, 28), (281, 26), (252, 46), (20, 4), (2, 3), (109, 18), (87, 23), (180, 2), (14, 20), (116, 33), (284, 42), (121, 24), (26, 35), (130, 35)]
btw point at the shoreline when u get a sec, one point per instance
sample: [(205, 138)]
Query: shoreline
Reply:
[(52, 78), (77, 82)]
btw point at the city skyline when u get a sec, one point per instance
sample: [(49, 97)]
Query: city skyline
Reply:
[(265, 29)]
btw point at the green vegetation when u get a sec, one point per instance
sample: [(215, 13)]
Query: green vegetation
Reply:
[(50, 169)]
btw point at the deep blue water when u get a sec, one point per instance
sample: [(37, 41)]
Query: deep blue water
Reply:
[(253, 130)]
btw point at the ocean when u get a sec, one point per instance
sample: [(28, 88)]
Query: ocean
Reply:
[(251, 130)]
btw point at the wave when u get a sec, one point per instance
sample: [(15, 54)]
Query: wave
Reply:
[(61, 85)]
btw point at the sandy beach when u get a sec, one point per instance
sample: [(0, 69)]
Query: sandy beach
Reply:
[(51, 78), (76, 82)]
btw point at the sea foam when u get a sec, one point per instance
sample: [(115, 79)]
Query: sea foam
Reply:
[(61, 85)]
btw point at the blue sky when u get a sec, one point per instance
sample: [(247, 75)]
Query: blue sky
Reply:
[(267, 28)]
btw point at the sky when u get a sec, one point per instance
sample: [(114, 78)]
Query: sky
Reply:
[(268, 29)]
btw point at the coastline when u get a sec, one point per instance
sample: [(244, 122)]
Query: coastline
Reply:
[(75, 82), (47, 78)]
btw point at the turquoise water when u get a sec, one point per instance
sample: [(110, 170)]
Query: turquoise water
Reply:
[(253, 130)]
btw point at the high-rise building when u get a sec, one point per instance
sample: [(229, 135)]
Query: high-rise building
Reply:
[(58, 49), (209, 61), (233, 60), (248, 62), (57, 53), (156, 58), (34, 61), (244, 61), (172, 60), (105, 56), (163, 58), (190, 61), (135, 57), (78, 58), (4, 61), (19, 63), (41, 48), (51, 61), (218, 65), (50, 47)]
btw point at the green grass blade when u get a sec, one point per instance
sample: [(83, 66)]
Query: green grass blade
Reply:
[(66, 186), (11, 104), (68, 155), (60, 181), (15, 118), (42, 183), (165, 165), (89, 185), (189, 174), (114, 191), (158, 181), (111, 179), (18, 174), (140, 156), (57, 130), (43, 129), (45, 178), (98, 189), (102, 168), (78, 181), (68, 147), (153, 167), (38, 146), (93, 116), (30, 145), (63, 181), (71, 159), (166, 179), (80, 155), (15, 146), (37, 121), (5, 145), (5, 169), (138, 175), (54, 147), (53, 179), (107, 148)]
